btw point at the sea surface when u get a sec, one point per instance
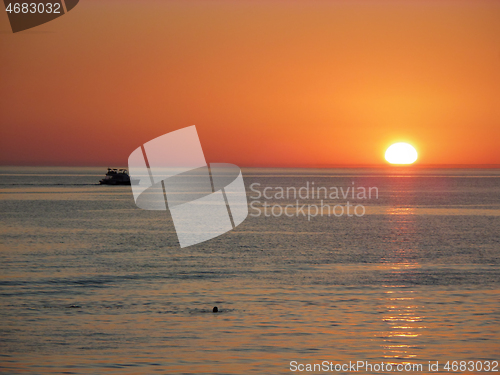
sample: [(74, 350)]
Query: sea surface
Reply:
[(91, 284)]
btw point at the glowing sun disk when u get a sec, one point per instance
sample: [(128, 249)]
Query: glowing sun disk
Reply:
[(401, 153)]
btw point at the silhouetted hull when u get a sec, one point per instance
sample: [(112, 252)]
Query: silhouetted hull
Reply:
[(114, 182)]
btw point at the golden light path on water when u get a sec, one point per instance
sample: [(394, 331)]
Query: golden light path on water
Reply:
[(403, 320)]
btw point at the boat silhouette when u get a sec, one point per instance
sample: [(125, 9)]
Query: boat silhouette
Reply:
[(116, 176)]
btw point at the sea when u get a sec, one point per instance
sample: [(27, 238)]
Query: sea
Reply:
[(92, 284)]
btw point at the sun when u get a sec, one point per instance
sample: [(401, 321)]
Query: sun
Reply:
[(401, 153)]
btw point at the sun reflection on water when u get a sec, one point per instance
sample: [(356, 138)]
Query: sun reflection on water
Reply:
[(403, 317)]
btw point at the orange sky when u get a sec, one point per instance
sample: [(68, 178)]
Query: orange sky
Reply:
[(267, 83)]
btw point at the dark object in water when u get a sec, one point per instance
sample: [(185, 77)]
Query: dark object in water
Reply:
[(118, 177), (215, 309)]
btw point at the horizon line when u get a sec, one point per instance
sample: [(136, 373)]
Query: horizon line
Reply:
[(330, 166)]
